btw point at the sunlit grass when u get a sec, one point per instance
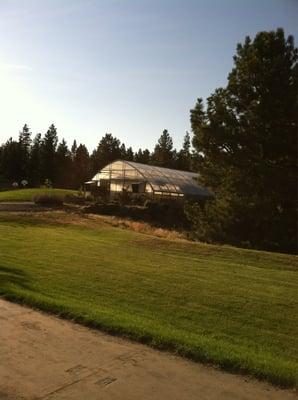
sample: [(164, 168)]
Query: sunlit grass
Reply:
[(28, 194), (236, 308)]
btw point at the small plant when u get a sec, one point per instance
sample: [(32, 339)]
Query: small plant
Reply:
[(49, 200), (89, 197), (47, 183), (123, 197), (81, 192), (75, 199)]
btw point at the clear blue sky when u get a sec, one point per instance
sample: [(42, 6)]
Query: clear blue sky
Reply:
[(129, 67)]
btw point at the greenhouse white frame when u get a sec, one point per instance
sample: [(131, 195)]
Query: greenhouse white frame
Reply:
[(149, 180)]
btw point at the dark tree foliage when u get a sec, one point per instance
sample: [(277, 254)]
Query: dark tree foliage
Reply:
[(143, 156), (48, 154), (62, 165), (24, 150), (123, 151), (43, 158), (73, 149), (184, 157), (129, 156), (246, 141), (34, 177), (25, 138), (163, 154), (107, 151), (11, 162), (81, 166)]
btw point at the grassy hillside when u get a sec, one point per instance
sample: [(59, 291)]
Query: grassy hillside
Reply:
[(28, 194), (236, 308)]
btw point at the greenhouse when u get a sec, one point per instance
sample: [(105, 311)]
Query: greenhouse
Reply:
[(148, 180)]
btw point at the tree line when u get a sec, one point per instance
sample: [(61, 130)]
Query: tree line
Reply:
[(244, 149), (45, 158)]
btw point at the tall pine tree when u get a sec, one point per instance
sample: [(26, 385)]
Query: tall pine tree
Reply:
[(247, 143), (163, 154), (184, 155), (63, 166), (24, 150), (143, 156), (48, 154), (35, 164), (81, 166), (107, 151)]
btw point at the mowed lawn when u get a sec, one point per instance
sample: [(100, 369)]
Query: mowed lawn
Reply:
[(232, 307), (28, 194)]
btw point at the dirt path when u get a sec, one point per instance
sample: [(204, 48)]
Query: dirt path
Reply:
[(43, 357)]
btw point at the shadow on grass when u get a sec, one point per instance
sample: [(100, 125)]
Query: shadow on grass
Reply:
[(12, 280), (27, 219)]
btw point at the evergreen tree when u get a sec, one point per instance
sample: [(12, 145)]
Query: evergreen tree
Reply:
[(63, 166), (163, 155), (11, 162), (108, 150), (25, 137), (35, 162), (81, 166), (48, 154), (123, 151), (143, 156), (24, 150), (129, 154), (184, 156), (73, 149), (247, 144)]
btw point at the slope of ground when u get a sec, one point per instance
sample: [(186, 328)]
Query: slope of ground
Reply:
[(236, 308), (28, 194)]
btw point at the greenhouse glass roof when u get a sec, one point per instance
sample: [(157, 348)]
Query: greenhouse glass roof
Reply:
[(160, 180)]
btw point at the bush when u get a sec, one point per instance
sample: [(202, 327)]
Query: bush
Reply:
[(47, 199), (75, 199), (166, 212), (138, 200), (89, 197), (112, 208), (208, 221), (233, 220), (47, 184)]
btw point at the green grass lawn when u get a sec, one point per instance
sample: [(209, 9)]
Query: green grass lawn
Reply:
[(235, 308), (28, 194)]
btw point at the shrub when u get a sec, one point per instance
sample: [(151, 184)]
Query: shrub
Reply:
[(153, 205), (75, 199), (47, 199), (138, 200), (47, 183), (89, 197), (112, 208)]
